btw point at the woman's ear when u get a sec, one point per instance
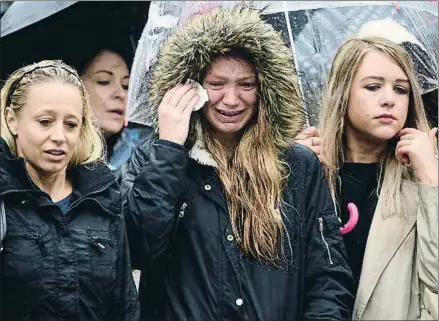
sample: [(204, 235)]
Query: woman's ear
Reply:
[(11, 120)]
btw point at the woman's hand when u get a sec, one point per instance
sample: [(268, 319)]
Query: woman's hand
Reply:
[(310, 137), (175, 111), (416, 149)]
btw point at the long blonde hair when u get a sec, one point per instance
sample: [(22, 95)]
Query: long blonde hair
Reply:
[(253, 177), (333, 118), (14, 95)]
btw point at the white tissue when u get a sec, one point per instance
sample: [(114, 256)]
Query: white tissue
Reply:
[(202, 92)]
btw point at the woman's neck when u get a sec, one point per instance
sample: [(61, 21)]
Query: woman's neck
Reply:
[(56, 185), (362, 149)]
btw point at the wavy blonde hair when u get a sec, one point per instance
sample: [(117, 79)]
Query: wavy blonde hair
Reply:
[(333, 118), (14, 94), (253, 177)]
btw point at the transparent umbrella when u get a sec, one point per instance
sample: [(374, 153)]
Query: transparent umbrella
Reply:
[(312, 29)]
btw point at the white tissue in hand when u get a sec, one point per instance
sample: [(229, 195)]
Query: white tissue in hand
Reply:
[(202, 92)]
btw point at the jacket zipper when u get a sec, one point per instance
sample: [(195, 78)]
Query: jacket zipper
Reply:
[(324, 240), (180, 215)]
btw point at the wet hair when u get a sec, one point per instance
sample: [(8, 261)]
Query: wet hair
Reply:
[(255, 212)]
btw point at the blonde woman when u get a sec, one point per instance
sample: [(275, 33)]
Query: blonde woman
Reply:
[(226, 218), (65, 254), (379, 155)]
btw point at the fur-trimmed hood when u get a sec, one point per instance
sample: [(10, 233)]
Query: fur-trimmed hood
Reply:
[(189, 51)]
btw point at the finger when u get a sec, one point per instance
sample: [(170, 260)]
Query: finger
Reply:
[(402, 143), (432, 134), (406, 131), (403, 152), (179, 93), (168, 95), (301, 136), (407, 137), (402, 158), (306, 142), (315, 141), (311, 132), (190, 106), (316, 150), (184, 101)]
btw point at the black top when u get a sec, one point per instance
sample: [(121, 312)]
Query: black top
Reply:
[(358, 185)]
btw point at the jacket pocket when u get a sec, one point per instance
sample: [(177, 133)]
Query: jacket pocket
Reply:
[(24, 251), (102, 257), (330, 238)]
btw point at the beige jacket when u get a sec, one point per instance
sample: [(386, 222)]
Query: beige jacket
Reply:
[(401, 258)]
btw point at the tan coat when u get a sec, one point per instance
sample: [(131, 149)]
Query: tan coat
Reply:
[(400, 253)]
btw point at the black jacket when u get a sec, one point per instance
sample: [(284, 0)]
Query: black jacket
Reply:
[(55, 266), (181, 238)]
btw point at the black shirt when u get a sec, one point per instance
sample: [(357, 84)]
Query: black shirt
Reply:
[(358, 185)]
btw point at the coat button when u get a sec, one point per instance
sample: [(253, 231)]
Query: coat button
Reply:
[(239, 302), (207, 187), (230, 237)]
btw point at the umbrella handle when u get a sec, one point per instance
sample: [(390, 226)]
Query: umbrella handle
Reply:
[(353, 219)]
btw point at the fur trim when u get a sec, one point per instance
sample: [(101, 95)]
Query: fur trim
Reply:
[(190, 49), (199, 151)]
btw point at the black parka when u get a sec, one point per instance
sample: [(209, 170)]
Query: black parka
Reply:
[(55, 266), (176, 213), (181, 238)]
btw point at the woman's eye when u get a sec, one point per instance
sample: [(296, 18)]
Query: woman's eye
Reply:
[(45, 122), (103, 82), (248, 85), (71, 125), (125, 87), (372, 87), (215, 84), (401, 90)]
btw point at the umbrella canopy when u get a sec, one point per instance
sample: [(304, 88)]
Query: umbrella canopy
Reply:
[(71, 31), (314, 30), (29, 12)]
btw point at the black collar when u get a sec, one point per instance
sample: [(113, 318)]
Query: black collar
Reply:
[(86, 179)]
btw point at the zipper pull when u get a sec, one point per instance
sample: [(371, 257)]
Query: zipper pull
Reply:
[(182, 209), (99, 246), (320, 224)]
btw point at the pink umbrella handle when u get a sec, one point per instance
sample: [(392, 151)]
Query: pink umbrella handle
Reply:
[(353, 219)]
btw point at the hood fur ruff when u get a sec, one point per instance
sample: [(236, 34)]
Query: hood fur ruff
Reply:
[(190, 49)]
